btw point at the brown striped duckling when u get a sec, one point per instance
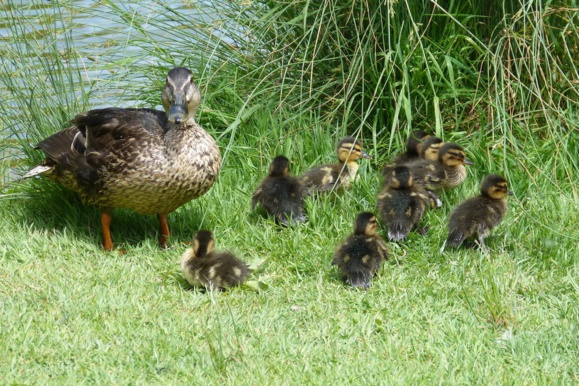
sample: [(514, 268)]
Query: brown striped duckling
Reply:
[(401, 203), (336, 176), (447, 173), (280, 194), (213, 270), (478, 215), (360, 256), (413, 147), (428, 151)]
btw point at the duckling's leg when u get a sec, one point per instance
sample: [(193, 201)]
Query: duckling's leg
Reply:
[(164, 230), (435, 202), (106, 220)]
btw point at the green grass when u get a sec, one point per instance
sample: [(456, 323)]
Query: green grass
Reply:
[(71, 314)]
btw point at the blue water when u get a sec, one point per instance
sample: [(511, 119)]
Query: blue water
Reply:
[(99, 38), (100, 43)]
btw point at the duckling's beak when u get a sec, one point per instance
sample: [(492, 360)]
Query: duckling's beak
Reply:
[(467, 162), (510, 192), (178, 111), (366, 155)]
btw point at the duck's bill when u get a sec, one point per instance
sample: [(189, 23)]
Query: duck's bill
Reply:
[(177, 113), (366, 155), (467, 162)]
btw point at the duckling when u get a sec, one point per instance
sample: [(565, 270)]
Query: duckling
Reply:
[(336, 176), (480, 214), (202, 266), (428, 152), (447, 173), (413, 146), (281, 194), (359, 257), (402, 203), (146, 160)]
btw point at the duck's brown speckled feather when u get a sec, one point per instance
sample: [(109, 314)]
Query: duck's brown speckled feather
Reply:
[(133, 158)]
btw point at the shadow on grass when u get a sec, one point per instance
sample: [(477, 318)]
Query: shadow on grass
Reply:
[(47, 206)]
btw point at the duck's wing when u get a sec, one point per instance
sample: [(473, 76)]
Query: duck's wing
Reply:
[(112, 127)]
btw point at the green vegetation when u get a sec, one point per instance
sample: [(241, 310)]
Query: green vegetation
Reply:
[(291, 78)]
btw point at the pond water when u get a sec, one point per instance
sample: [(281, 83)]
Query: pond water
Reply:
[(100, 33), (104, 40)]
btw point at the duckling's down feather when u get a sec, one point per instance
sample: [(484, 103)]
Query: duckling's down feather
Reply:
[(358, 259), (477, 215), (282, 196), (217, 270)]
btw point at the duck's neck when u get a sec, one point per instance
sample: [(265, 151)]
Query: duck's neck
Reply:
[(352, 169)]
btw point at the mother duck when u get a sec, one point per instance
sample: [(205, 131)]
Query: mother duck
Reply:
[(146, 160)]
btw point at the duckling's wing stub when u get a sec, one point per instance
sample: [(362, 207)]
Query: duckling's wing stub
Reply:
[(358, 260), (282, 197), (321, 179)]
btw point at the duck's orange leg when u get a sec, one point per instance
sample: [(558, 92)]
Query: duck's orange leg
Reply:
[(106, 225), (164, 238)]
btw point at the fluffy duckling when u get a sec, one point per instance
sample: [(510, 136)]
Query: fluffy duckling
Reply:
[(447, 173), (280, 194), (480, 214), (339, 175), (428, 151), (213, 270), (359, 257), (402, 203), (413, 147)]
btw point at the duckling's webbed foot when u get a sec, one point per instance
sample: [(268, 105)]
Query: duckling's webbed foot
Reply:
[(435, 202), (423, 230)]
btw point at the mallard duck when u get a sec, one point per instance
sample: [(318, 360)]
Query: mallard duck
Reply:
[(413, 147), (359, 257), (146, 160), (401, 203), (202, 266), (336, 176), (478, 215), (280, 194)]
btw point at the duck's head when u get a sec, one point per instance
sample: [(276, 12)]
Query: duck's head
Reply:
[(400, 178), (495, 186), (453, 155), (181, 96), (203, 243), (349, 149), (415, 140), (430, 148), (365, 224), (279, 166)]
